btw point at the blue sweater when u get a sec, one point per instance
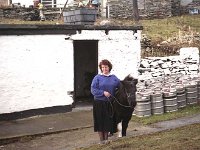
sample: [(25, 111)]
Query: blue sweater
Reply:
[(102, 83)]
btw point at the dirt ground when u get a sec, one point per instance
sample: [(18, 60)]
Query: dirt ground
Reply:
[(85, 137), (62, 141)]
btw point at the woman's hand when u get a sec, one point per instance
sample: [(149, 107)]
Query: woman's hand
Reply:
[(107, 94)]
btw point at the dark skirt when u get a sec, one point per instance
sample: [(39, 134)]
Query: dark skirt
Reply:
[(102, 115)]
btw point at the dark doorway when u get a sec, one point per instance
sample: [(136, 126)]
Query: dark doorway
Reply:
[(85, 68)]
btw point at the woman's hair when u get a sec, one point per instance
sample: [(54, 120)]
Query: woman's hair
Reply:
[(105, 62)]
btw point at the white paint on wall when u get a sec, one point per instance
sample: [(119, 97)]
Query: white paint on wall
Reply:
[(35, 72)]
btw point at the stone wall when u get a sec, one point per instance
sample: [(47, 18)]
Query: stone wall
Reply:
[(187, 63), (147, 8), (29, 14), (21, 13)]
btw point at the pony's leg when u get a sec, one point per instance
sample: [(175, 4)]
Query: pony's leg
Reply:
[(119, 127), (124, 127)]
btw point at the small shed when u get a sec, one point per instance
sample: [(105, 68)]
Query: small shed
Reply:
[(48, 68)]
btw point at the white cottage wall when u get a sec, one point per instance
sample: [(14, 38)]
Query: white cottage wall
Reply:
[(36, 71)]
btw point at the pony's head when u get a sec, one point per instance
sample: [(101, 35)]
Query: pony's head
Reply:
[(129, 87)]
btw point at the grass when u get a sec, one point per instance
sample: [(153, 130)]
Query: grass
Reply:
[(183, 138), (187, 111), (168, 27)]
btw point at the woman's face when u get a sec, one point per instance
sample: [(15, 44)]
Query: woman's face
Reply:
[(105, 69)]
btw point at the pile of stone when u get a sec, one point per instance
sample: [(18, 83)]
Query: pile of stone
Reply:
[(187, 63), (168, 83), (28, 14)]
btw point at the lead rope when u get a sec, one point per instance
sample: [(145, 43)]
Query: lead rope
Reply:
[(120, 103), (111, 106)]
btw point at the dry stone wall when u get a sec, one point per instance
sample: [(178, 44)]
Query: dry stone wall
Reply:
[(147, 8), (21, 13), (29, 14)]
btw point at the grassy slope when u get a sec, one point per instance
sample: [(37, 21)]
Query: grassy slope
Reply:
[(169, 27), (184, 138)]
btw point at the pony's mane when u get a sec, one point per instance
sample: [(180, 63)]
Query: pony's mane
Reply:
[(128, 78)]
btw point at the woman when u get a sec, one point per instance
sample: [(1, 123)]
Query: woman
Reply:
[(103, 86)]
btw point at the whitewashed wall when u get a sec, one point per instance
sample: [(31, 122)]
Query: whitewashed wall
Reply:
[(36, 71), (122, 48)]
